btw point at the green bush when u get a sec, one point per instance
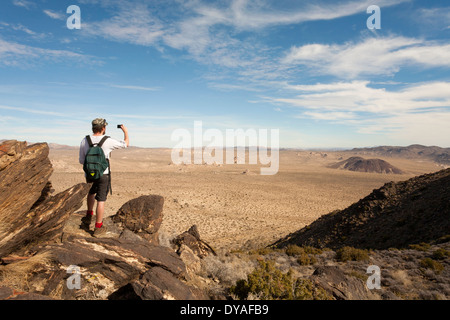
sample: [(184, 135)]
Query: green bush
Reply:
[(420, 247), (269, 283), (305, 259), (440, 254), (351, 254), (304, 289), (294, 250), (429, 263), (305, 255)]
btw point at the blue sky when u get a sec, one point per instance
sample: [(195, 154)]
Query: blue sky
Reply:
[(311, 69)]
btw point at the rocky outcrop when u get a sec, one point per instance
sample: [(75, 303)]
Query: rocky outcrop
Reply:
[(191, 239), (46, 255), (10, 151), (44, 223), (393, 216), (24, 173), (28, 213)]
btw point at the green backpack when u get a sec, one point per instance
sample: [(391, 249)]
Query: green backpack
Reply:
[(95, 162)]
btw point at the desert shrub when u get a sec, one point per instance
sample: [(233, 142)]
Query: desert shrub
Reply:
[(306, 290), (305, 259), (429, 263), (263, 251), (293, 250), (420, 247), (440, 254), (351, 254), (227, 269), (269, 283), (305, 255)]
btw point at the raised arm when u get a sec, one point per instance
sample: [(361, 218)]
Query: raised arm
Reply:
[(125, 135)]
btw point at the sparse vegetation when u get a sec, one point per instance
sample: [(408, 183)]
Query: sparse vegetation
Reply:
[(267, 282), (306, 259), (440, 254), (293, 250), (351, 254), (305, 255), (421, 246), (429, 263)]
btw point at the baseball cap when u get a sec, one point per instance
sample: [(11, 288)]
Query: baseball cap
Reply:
[(99, 122)]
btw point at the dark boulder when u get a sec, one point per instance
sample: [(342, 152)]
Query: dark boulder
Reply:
[(340, 286), (143, 216)]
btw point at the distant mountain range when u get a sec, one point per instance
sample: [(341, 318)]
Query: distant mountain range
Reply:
[(415, 151)]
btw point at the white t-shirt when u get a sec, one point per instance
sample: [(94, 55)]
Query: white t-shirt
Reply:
[(109, 145)]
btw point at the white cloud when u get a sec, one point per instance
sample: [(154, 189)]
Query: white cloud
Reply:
[(328, 115), (132, 24), (23, 3), (140, 88), (247, 14), (434, 18), (214, 33), (55, 15), (16, 54), (372, 56), (417, 113), (32, 111), (357, 96), (18, 27)]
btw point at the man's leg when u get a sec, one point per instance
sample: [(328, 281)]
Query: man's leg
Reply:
[(90, 202), (101, 196), (86, 220), (100, 211)]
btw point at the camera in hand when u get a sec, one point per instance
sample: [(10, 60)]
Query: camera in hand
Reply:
[(119, 126)]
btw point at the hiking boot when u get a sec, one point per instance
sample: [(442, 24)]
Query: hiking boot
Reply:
[(86, 222), (99, 232)]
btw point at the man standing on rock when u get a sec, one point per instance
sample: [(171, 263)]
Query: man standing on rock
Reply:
[(101, 186)]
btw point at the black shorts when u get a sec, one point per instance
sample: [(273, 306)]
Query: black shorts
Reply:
[(100, 188)]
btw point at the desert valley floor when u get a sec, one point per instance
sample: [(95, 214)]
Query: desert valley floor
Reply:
[(233, 205)]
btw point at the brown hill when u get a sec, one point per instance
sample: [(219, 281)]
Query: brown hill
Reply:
[(395, 215), (367, 165)]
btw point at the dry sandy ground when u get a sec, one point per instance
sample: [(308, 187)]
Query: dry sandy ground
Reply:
[(233, 209)]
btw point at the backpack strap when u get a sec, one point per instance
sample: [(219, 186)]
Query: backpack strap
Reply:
[(109, 163), (100, 144), (89, 141)]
